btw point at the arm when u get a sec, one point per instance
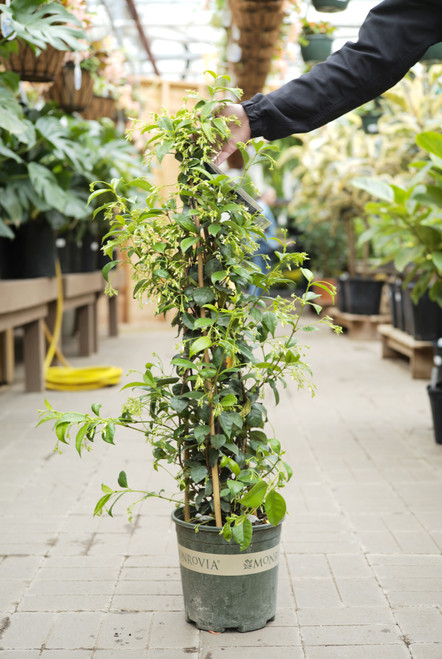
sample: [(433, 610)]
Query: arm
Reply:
[(393, 37)]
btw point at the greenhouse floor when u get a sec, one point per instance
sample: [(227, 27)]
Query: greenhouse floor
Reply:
[(361, 569)]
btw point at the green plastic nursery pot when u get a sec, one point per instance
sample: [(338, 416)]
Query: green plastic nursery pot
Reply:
[(319, 47), (223, 587), (330, 6)]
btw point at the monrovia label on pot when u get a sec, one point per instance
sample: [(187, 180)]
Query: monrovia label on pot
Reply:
[(228, 565)]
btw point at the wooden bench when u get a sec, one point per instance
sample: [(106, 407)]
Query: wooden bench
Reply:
[(420, 353), (25, 303), (359, 326), (28, 303)]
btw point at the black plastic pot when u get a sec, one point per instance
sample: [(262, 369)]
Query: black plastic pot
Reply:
[(363, 296), (319, 47), (395, 296), (435, 394), (424, 319), (89, 253), (223, 587), (342, 293), (32, 253), (330, 6)]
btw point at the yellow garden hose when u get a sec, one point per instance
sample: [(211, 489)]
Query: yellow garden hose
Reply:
[(66, 377)]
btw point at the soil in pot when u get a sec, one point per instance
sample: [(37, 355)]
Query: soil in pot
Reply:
[(223, 587)]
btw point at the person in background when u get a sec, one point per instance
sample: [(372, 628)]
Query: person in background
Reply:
[(268, 244), (393, 37)]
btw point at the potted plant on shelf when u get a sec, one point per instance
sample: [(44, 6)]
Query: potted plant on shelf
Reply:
[(316, 40), (204, 415), (407, 223), (37, 38)]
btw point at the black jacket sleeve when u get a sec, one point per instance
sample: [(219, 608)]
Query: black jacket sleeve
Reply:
[(392, 38)]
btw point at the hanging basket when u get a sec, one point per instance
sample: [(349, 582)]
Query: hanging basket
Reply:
[(63, 90), (263, 39), (257, 16), (101, 106), (433, 53), (32, 67), (330, 6), (319, 47)]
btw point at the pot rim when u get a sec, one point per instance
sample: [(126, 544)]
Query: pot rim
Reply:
[(215, 529)]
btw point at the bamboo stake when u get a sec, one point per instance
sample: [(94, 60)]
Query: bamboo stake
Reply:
[(186, 494), (215, 475)]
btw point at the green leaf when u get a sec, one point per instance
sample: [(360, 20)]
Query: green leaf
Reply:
[(108, 433), (218, 276), (203, 323), (231, 464), (437, 260), (201, 433), (242, 533), (308, 274), (163, 148), (275, 507), (96, 407), (217, 441), (200, 344), (203, 295), (178, 404), (108, 267), (80, 437), (188, 242), (430, 141), (122, 479), (229, 400), (46, 186), (214, 229), (198, 473), (270, 322), (255, 496), (376, 187), (235, 487), (101, 503)]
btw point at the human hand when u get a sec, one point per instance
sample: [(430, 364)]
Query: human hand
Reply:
[(240, 132)]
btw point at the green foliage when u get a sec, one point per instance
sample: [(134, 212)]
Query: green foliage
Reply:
[(40, 24), (191, 252), (407, 222), (47, 168)]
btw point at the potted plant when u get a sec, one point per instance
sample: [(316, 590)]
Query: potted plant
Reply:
[(370, 114), (330, 6), (406, 221), (39, 34), (316, 40), (203, 415)]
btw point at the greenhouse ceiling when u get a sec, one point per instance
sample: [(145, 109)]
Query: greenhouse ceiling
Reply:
[(178, 39)]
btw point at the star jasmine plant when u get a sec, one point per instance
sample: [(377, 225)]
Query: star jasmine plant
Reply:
[(189, 249)]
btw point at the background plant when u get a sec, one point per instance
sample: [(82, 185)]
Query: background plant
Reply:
[(204, 414), (408, 221)]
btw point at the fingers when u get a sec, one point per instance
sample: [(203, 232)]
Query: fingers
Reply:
[(240, 131)]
